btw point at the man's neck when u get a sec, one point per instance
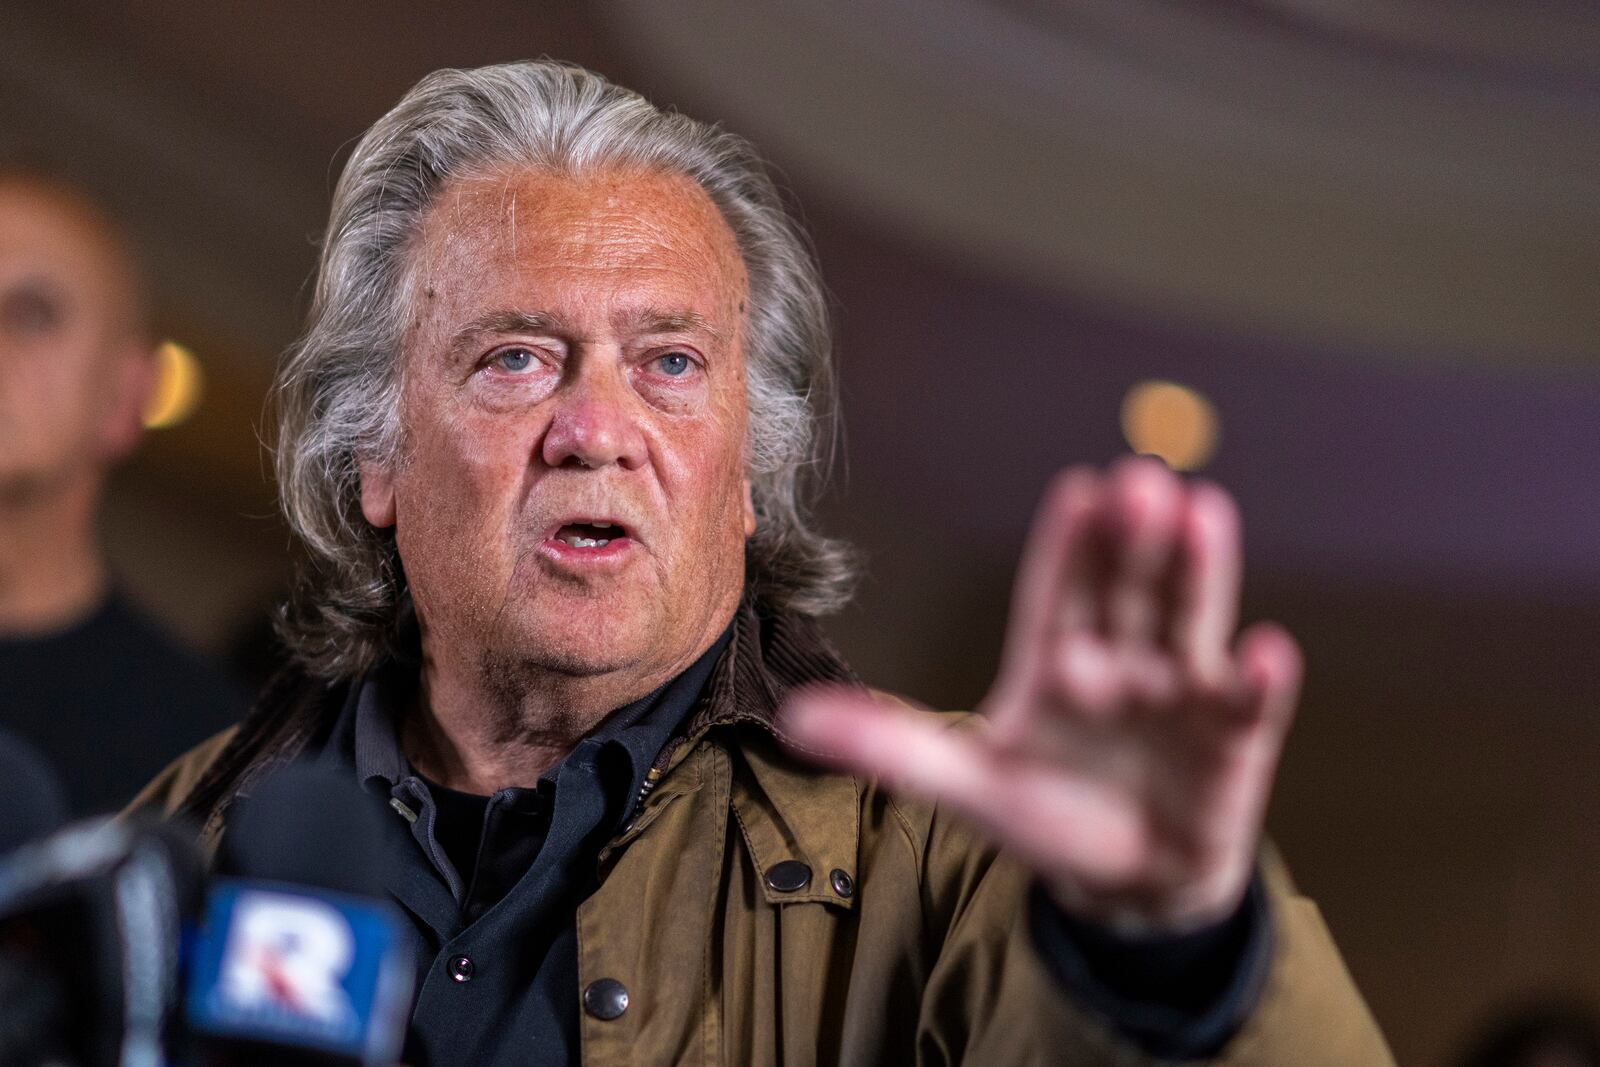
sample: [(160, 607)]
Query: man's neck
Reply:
[(473, 735), (51, 571)]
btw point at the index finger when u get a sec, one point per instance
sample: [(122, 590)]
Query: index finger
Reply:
[(1054, 591)]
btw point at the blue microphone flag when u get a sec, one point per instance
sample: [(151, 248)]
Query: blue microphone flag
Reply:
[(291, 966)]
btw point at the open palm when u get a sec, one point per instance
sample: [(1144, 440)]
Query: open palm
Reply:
[(1127, 748)]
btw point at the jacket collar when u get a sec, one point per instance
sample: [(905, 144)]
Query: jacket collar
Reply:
[(787, 811), (769, 656)]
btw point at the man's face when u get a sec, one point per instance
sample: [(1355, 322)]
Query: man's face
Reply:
[(72, 372), (571, 491)]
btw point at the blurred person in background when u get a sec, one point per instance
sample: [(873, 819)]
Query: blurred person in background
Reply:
[(547, 440), (103, 690)]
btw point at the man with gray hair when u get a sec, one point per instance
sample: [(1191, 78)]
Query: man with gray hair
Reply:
[(547, 440)]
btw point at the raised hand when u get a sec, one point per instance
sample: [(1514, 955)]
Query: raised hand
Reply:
[(1127, 748)]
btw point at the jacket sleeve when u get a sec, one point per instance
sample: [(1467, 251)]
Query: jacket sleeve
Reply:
[(990, 998), (1179, 996)]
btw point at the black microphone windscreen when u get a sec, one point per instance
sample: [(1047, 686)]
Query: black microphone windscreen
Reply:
[(30, 794), (174, 843), (311, 826)]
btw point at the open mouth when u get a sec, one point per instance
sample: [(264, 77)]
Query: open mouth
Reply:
[(589, 534)]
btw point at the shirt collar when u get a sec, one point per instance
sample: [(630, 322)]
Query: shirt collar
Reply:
[(640, 730), (367, 732)]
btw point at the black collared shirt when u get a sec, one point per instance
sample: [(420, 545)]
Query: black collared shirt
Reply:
[(493, 907)]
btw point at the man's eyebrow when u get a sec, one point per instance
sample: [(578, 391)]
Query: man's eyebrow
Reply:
[(501, 321), (657, 320), (41, 285), (638, 321)]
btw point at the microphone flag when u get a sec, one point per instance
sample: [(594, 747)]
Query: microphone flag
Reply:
[(287, 965)]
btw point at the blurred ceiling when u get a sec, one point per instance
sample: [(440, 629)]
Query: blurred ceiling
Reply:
[(1418, 179)]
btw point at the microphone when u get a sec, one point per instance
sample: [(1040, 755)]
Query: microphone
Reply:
[(32, 1002), (299, 960), (90, 921), (32, 796)]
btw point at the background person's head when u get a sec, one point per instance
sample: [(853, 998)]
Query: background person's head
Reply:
[(340, 390), (75, 351), (76, 361)]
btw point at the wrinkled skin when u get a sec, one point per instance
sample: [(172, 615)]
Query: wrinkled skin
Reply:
[(577, 352)]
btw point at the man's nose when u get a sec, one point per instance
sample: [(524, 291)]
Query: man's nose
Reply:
[(596, 420)]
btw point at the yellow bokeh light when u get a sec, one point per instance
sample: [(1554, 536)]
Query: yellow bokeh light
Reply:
[(1171, 421), (178, 386)]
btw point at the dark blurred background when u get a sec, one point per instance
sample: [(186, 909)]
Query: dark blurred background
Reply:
[(1364, 238)]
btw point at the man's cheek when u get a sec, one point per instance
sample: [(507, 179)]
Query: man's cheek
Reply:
[(439, 528)]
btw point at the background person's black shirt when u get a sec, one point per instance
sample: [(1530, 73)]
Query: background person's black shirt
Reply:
[(110, 701)]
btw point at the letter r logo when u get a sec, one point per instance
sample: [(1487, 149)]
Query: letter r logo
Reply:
[(290, 954)]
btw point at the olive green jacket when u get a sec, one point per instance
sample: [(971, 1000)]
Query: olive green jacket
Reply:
[(907, 942)]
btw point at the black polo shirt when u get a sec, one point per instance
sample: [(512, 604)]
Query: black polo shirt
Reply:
[(493, 885)]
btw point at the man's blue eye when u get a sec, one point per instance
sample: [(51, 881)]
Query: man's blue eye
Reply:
[(515, 359), (673, 364)]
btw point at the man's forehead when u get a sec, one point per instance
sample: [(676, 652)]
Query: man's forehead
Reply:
[(32, 211), (610, 217), (50, 235), (499, 190), (41, 229)]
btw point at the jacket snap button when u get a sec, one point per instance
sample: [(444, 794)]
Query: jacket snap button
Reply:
[(843, 884), (461, 968), (606, 998), (790, 876)]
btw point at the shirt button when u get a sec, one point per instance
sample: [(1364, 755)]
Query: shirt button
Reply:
[(461, 968), (606, 998), (843, 884), (790, 876)]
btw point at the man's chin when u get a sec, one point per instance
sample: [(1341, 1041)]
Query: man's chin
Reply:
[(580, 644), (571, 662)]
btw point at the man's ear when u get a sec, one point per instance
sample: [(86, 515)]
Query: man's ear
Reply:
[(749, 510), (122, 420), (377, 493)]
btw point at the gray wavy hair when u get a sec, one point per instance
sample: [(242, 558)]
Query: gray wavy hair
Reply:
[(337, 390)]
